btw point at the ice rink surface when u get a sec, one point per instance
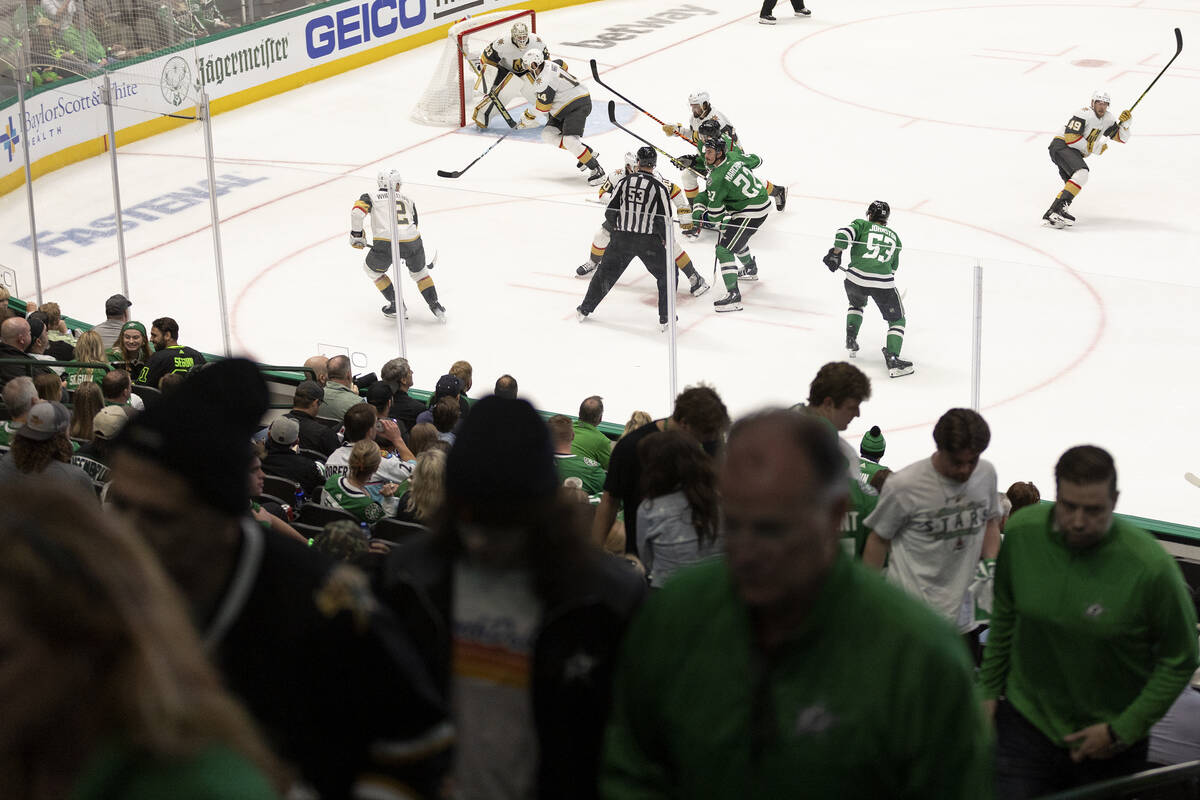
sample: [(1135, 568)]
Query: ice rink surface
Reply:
[(944, 111)]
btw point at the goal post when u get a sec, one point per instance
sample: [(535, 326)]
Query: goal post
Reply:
[(454, 89)]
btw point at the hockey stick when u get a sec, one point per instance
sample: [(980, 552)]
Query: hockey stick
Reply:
[(1178, 50), (444, 174), (492, 94), (612, 116), (1192, 478), (596, 77)]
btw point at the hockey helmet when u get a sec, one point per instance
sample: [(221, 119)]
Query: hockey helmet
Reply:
[(646, 157), (716, 143), (878, 212), (389, 176), (698, 98), (534, 58), (709, 128), (1102, 96), (520, 35), (631, 162)]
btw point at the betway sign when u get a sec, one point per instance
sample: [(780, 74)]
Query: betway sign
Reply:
[(621, 33)]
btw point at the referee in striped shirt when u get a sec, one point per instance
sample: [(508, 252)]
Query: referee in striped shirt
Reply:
[(637, 217)]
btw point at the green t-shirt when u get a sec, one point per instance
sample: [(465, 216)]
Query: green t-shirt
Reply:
[(215, 773), (874, 252), (590, 442), (700, 711), (863, 500), (582, 467), (78, 376), (7, 431), (1104, 634)]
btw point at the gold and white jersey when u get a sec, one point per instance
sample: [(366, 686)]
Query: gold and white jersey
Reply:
[(556, 89), (1084, 131), (376, 207)]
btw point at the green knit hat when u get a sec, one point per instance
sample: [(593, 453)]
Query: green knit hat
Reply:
[(873, 442), (139, 327)]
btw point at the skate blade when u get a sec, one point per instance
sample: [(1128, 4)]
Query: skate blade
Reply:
[(702, 290), (852, 354), (900, 372), (1055, 221), (747, 277), (724, 309)]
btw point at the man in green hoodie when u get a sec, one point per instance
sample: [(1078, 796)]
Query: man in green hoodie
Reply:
[(1093, 637)]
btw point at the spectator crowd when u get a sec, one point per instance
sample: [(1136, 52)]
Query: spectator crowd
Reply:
[(375, 595)]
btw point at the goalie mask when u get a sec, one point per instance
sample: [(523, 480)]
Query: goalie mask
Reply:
[(878, 212), (387, 176), (520, 35)]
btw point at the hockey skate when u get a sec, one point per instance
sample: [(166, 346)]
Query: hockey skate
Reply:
[(851, 345), (730, 302), (596, 176), (803, 12), (586, 268), (389, 310), (699, 286), (896, 365), (766, 19), (580, 314), (748, 272), (1056, 216), (439, 311), (780, 195), (692, 232), (1068, 217)]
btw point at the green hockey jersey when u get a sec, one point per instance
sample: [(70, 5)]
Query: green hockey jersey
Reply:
[(733, 189), (874, 253)]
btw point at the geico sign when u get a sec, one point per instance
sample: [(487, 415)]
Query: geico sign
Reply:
[(355, 25), (620, 33)]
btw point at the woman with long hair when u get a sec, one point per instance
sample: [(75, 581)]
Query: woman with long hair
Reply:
[(85, 404), (49, 387), (106, 689), (131, 351), (427, 488), (355, 492), (88, 349), (678, 518), (636, 420)]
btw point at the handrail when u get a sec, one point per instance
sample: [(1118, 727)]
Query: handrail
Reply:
[(1174, 776)]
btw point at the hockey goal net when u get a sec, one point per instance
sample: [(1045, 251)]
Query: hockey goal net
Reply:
[(454, 88)]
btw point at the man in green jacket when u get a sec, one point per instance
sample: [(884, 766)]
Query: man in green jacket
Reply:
[(1093, 637), (786, 670), (589, 441)]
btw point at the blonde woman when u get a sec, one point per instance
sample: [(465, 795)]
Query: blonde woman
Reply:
[(89, 349), (636, 420), (85, 404), (105, 688), (357, 492), (427, 490)]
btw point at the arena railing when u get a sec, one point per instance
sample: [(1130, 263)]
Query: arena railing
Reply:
[(1178, 782)]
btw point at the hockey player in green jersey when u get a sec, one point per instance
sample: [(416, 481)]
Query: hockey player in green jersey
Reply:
[(737, 204), (874, 258)]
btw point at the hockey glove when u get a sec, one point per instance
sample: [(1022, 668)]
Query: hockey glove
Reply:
[(1112, 130), (833, 259), (670, 130), (1125, 116), (358, 240), (527, 121)]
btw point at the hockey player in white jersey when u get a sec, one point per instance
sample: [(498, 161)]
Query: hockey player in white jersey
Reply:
[(714, 123), (376, 209), (1082, 137), (507, 56), (567, 103), (697, 284)]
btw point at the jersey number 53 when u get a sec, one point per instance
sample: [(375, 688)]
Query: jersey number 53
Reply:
[(880, 247)]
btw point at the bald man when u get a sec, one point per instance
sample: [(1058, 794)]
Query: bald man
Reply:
[(15, 339)]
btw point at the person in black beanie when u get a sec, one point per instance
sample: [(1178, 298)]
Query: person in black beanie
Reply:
[(765, 17), (332, 681), (517, 616)]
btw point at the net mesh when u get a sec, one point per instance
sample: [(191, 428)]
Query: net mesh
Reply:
[(453, 89)]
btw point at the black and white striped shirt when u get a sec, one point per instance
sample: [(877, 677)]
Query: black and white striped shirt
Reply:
[(640, 204)]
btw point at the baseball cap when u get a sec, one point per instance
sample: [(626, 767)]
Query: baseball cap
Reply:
[(37, 326), (379, 393), (284, 430), (109, 421), (447, 386), (116, 305), (44, 420), (307, 391)]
